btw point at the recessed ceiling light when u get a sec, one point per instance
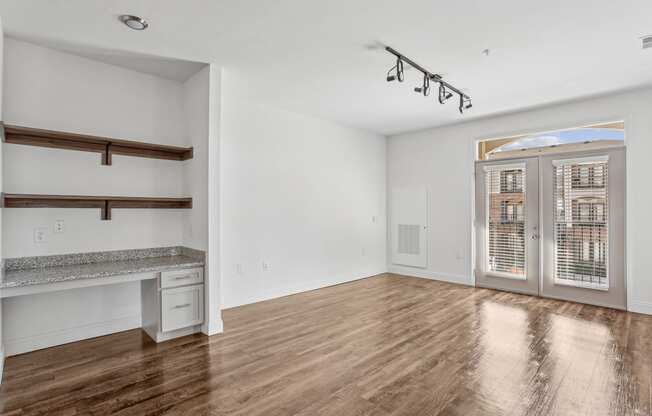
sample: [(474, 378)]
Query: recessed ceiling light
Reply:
[(134, 22)]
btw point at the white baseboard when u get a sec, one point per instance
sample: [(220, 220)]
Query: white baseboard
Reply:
[(158, 336), (213, 328), (278, 293), (427, 274), (63, 336), (640, 306)]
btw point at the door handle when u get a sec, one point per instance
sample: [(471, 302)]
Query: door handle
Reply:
[(535, 237), (188, 276)]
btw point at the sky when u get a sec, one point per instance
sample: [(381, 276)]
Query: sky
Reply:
[(563, 137)]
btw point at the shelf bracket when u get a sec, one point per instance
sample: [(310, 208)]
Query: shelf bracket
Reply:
[(106, 211), (107, 156)]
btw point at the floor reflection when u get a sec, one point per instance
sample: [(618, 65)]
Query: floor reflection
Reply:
[(381, 346)]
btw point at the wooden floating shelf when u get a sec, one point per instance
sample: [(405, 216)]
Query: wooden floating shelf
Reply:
[(107, 147), (104, 203)]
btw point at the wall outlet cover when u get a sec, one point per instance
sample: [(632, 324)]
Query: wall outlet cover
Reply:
[(40, 235)]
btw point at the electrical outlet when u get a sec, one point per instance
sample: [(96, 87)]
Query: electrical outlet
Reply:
[(363, 252), (265, 266), (40, 235), (58, 226)]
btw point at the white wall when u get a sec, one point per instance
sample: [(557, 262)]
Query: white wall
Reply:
[(299, 194), (196, 103), (213, 287), (2, 40), (442, 159), (54, 90), (202, 106), (49, 89)]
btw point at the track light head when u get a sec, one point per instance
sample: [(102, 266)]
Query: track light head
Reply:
[(400, 75), (398, 69), (443, 94), (425, 89), (465, 103)]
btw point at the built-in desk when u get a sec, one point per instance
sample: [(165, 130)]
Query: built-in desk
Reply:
[(172, 282)]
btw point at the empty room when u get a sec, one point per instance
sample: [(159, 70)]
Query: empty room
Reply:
[(340, 208)]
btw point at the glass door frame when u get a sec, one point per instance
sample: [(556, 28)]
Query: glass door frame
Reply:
[(543, 284), (485, 278), (616, 294)]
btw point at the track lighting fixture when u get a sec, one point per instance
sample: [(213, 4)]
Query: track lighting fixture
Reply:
[(446, 90), (398, 68), (425, 89), (465, 104), (443, 94)]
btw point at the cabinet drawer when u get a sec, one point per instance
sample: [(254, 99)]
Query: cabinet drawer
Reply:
[(182, 307), (184, 277)]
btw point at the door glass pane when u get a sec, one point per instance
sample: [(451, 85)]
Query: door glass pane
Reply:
[(581, 222), (506, 220)]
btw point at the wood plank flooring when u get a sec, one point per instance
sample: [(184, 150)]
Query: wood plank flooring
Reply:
[(386, 345)]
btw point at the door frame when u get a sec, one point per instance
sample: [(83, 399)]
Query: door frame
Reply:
[(561, 155)]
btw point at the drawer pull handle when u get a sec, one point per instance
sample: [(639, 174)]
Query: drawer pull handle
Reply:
[(188, 276), (185, 305)]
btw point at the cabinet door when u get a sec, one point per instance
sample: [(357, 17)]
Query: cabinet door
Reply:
[(182, 307)]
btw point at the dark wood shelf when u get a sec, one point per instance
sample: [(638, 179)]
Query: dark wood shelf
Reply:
[(104, 203), (107, 147)]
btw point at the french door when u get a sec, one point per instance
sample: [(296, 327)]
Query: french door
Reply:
[(554, 226), (507, 225), (583, 224)]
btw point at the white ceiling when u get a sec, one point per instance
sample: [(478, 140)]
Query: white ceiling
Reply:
[(321, 57)]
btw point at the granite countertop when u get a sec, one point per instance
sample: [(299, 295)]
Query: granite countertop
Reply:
[(46, 272)]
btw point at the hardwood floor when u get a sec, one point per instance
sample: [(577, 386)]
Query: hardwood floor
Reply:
[(386, 345)]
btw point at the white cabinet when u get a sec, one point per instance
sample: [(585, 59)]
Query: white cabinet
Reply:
[(184, 277), (182, 307), (173, 304)]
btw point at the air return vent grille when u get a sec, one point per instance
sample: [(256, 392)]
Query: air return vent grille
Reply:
[(647, 42), (408, 239)]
